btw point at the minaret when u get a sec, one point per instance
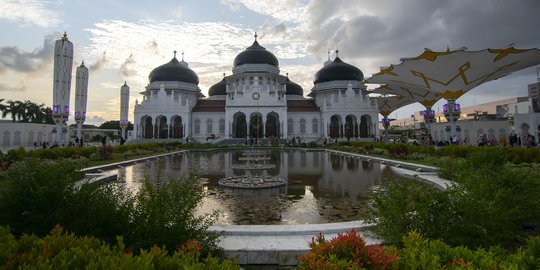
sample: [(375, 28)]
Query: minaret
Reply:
[(81, 96), (124, 108), (63, 63)]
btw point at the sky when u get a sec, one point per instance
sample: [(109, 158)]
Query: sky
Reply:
[(124, 40)]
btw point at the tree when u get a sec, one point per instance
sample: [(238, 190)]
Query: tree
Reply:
[(114, 124), (26, 112)]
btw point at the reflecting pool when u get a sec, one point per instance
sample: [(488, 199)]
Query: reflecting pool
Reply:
[(322, 187)]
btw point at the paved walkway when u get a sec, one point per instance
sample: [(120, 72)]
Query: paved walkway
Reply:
[(279, 244)]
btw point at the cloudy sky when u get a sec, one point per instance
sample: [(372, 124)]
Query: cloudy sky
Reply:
[(124, 40)]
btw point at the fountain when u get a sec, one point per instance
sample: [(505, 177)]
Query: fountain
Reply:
[(259, 159)]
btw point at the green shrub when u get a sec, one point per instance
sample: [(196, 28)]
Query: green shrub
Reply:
[(61, 250)]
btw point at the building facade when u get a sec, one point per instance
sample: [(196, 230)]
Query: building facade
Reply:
[(255, 102)]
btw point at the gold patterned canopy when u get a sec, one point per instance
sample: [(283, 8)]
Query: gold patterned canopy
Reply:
[(425, 97), (450, 74), (389, 104)]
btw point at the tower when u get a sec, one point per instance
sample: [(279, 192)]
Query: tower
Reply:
[(124, 108), (63, 63), (81, 96)]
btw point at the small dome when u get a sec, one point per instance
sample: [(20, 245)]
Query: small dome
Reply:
[(174, 71), (218, 89), (255, 54), (338, 71), (293, 88)]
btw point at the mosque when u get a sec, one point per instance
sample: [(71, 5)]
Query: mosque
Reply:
[(255, 102)]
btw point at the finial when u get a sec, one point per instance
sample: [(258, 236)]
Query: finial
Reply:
[(223, 74), (82, 64), (125, 83), (255, 36), (337, 53), (65, 35), (328, 54), (182, 55), (287, 74), (174, 53)]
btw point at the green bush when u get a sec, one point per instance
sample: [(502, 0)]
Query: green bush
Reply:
[(38, 195), (61, 250), (487, 207)]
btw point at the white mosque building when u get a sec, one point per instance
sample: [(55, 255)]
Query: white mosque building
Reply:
[(255, 102)]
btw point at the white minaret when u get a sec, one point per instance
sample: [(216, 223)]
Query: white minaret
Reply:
[(81, 96), (124, 108), (63, 63)]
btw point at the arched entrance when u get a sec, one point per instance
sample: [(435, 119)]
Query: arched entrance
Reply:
[(335, 126), (350, 124), (256, 125), (147, 127), (162, 129), (239, 125), (272, 125), (365, 126), (177, 129)]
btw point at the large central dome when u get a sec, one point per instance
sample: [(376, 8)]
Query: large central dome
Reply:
[(338, 71), (255, 54), (174, 71)]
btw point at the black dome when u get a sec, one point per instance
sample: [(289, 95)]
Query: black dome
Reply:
[(293, 88), (174, 71), (338, 71), (255, 54), (218, 89)]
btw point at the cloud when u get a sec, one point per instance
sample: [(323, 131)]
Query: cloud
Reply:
[(282, 10), (126, 69), (233, 5), (14, 58), (10, 88), (99, 63), (30, 12)]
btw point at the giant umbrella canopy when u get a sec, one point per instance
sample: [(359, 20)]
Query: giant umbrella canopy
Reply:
[(388, 104), (450, 74)]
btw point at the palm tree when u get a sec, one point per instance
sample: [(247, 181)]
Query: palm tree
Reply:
[(2, 106)]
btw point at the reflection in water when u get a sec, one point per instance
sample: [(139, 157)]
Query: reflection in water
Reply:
[(322, 187)]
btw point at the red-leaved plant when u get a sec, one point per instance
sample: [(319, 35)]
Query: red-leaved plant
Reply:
[(346, 251)]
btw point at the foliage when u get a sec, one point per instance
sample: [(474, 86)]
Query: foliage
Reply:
[(487, 207), (33, 198), (419, 253), (61, 250), (346, 251), (26, 112), (37, 195), (114, 124), (105, 152)]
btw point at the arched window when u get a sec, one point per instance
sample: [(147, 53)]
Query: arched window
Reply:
[(290, 126), (209, 123), (315, 126), (222, 126), (197, 127), (302, 126)]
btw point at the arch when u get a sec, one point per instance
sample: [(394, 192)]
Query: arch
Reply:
[(365, 126), (335, 124), (350, 126), (147, 128), (209, 126), (5, 138), (31, 138), (239, 125), (290, 126), (302, 126), (256, 125), (272, 125), (40, 137), (17, 138), (197, 126), (162, 129), (222, 126), (177, 127), (315, 126)]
